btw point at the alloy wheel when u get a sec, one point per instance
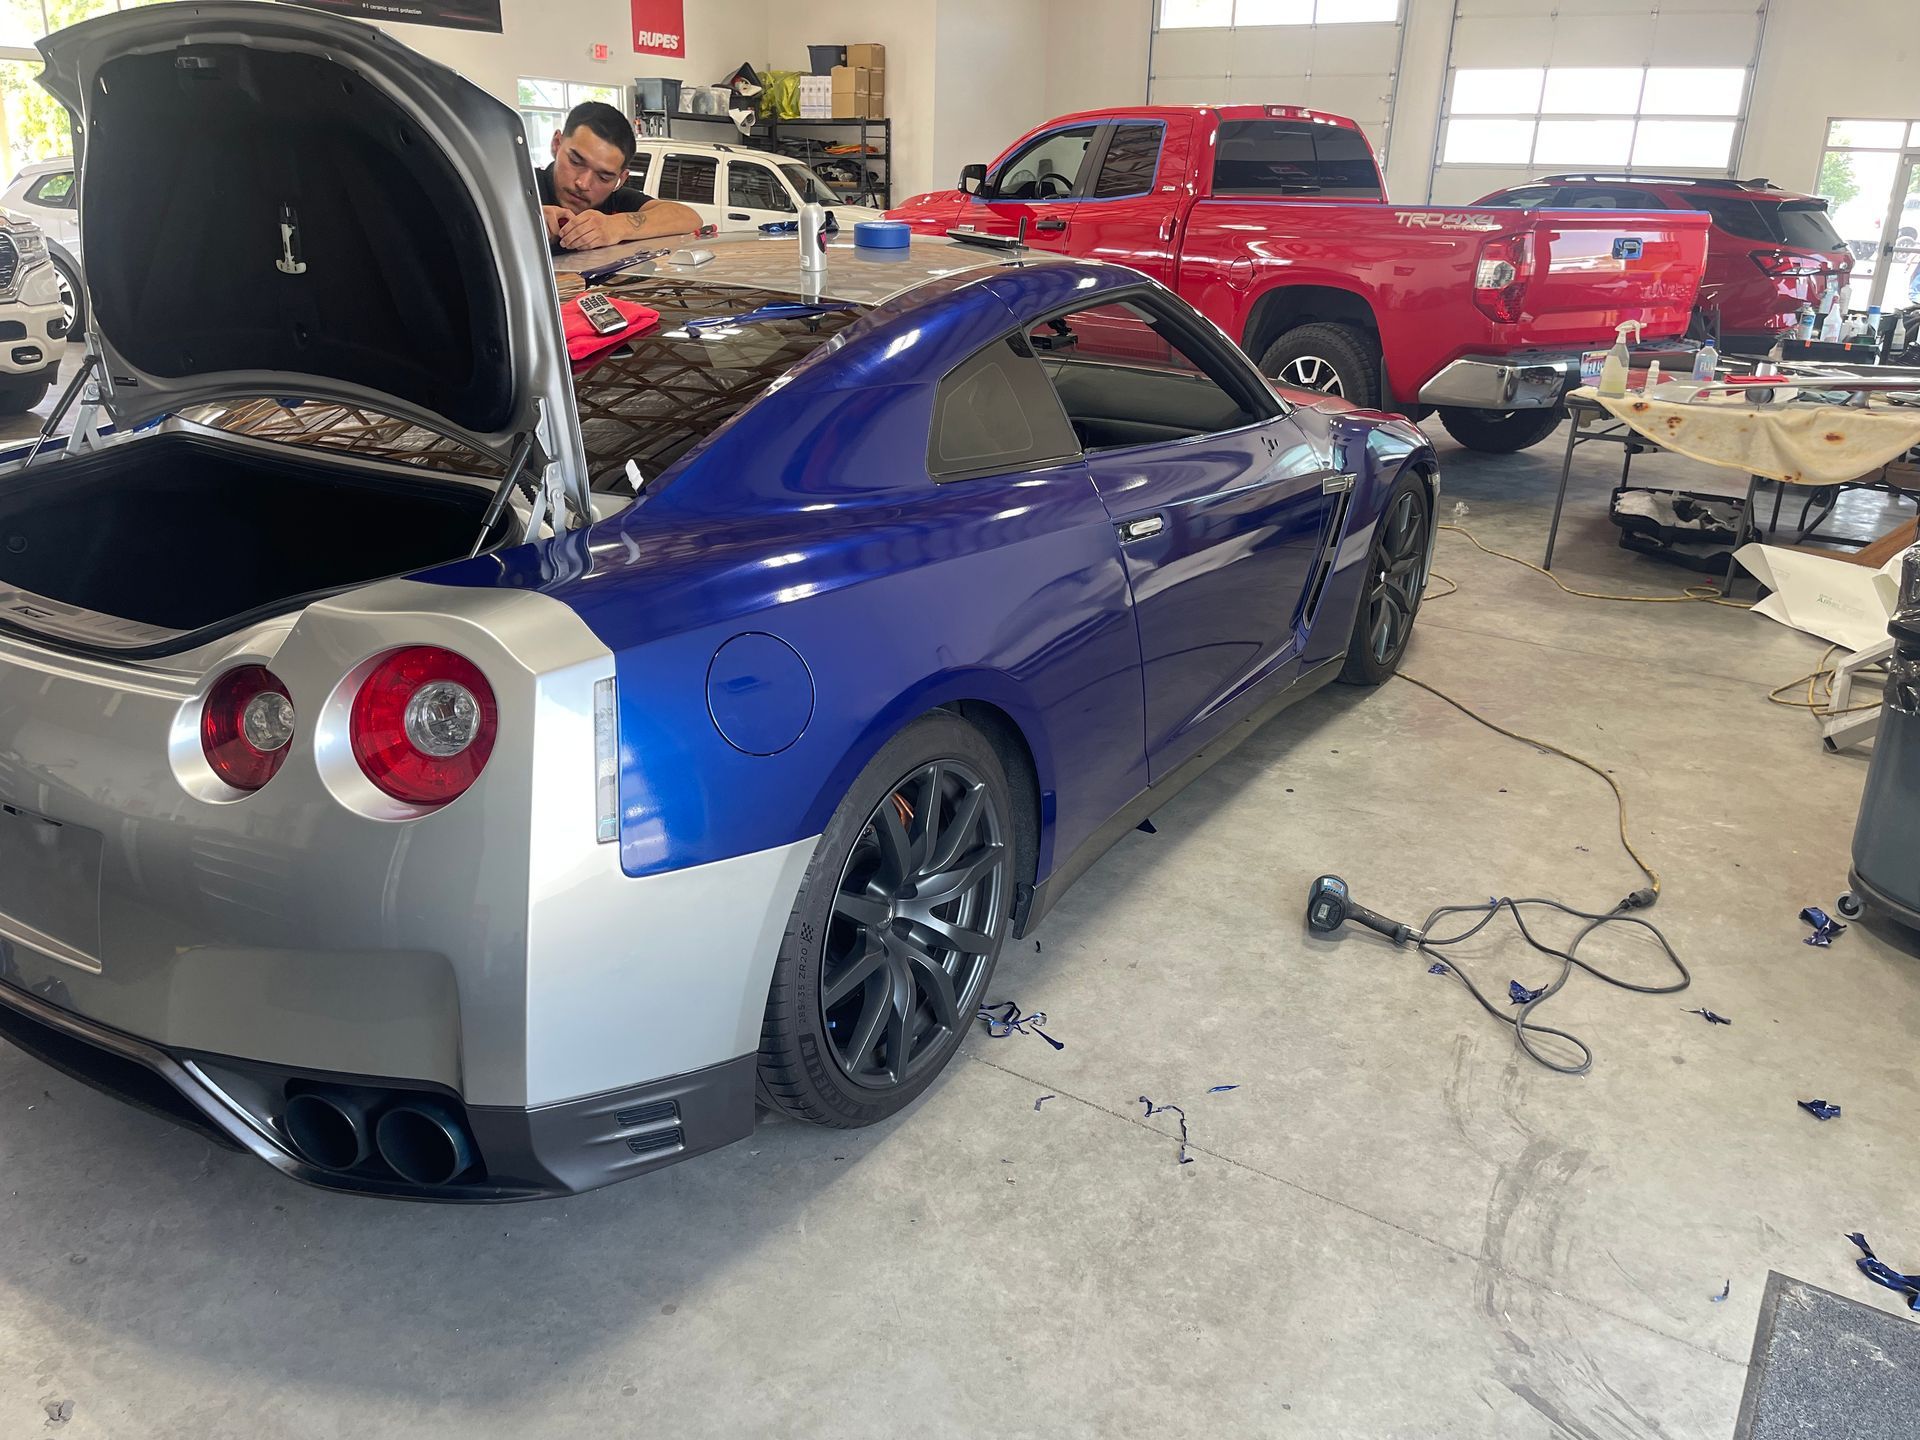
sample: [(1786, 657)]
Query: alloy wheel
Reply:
[(920, 911), (1399, 569), (1311, 372)]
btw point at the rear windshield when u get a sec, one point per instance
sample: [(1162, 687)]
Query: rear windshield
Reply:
[(1290, 157), (1802, 224), (650, 401)]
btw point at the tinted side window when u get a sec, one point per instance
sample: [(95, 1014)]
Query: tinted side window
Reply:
[(1807, 226), (1132, 159), (996, 413), (54, 191), (1528, 197), (1606, 197), (1048, 169), (637, 171), (1291, 157), (755, 187), (1735, 216), (689, 178)]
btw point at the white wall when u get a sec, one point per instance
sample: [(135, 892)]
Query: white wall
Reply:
[(1096, 54), (1828, 59), (551, 41), (907, 28), (990, 80)]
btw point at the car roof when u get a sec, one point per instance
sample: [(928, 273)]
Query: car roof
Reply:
[(711, 147), (856, 273), (45, 167), (1755, 189)]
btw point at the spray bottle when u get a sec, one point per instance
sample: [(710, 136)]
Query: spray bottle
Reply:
[(1613, 375), (813, 238)]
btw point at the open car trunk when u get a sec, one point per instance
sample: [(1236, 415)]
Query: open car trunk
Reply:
[(168, 539)]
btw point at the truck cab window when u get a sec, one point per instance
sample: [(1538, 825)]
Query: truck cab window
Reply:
[(1291, 157), (1126, 377), (688, 178), (1131, 161), (755, 187), (1048, 168), (995, 413)]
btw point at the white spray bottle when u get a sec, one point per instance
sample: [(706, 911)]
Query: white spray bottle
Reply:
[(1613, 375), (813, 239)]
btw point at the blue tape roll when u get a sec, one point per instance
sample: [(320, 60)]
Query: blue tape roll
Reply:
[(882, 234)]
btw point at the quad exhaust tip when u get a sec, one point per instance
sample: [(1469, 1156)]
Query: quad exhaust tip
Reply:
[(423, 1141)]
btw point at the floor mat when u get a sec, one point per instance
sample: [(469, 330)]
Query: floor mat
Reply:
[(1826, 1366)]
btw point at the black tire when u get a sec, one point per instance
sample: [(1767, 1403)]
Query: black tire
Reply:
[(1332, 359), (813, 1048), (1501, 432), (20, 393), (73, 294), (1396, 577)]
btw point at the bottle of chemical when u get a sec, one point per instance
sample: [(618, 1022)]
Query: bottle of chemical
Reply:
[(1804, 323), (1653, 378), (1613, 375), (1835, 328), (813, 240), (1706, 363)]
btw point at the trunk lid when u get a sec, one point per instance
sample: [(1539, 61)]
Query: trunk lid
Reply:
[(1595, 269), (279, 202)]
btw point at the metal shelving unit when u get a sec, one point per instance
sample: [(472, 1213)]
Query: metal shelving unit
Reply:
[(802, 140)]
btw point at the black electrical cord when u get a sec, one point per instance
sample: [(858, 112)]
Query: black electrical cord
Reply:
[(1520, 1017)]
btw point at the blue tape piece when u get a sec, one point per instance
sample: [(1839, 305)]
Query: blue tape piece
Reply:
[(1153, 1110), (1825, 927), (1881, 1273), (1725, 1290), (1437, 968), (1220, 1089), (1820, 1109), (1012, 1022), (1041, 1101), (1521, 995), (1710, 1017)]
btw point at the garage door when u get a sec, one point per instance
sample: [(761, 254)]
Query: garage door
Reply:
[(1612, 88), (1336, 55)]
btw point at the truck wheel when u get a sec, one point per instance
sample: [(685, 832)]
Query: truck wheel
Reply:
[(20, 393), (1332, 359), (1501, 432), (1396, 578), (895, 931)]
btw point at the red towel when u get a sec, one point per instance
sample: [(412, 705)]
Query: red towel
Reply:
[(586, 343)]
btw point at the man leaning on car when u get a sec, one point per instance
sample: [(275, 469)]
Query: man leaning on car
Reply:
[(584, 195)]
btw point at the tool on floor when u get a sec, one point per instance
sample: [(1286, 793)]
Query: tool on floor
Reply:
[(1329, 906)]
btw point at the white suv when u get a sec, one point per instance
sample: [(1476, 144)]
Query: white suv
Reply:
[(45, 194), (33, 322), (734, 187)]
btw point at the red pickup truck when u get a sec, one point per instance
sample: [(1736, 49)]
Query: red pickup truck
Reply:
[(1273, 221)]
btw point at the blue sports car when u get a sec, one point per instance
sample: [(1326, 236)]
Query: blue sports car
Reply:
[(446, 775)]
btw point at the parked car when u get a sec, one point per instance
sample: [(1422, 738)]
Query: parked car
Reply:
[(33, 322), (734, 187), (1272, 220), (44, 193), (442, 777), (1771, 250)]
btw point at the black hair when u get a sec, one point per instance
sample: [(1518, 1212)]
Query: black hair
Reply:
[(606, 122)]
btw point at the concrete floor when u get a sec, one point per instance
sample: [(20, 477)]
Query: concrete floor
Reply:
[(1396, 1226)]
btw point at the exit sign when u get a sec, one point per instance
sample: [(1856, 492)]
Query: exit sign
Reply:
[(599, 52)]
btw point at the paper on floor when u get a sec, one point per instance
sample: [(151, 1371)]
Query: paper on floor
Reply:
[(1846, 604)]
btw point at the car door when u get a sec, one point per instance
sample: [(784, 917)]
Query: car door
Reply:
[(1224, 511), (756, 196), (1131, 211), (1037, 186)]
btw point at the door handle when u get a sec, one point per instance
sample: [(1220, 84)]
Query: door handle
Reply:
[(1166, 230), (738, 215), (1144, 528), (1049, 227)]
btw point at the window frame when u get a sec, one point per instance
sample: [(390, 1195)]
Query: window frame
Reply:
[(1096, 149), (1310, 130), (671, 159), (1314, 19), (1102, 143), (775, 180), (1038, 457), (63, 202)]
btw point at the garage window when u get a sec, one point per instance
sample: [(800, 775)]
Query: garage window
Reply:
[(688, 178), (1190, 14), (755, 187), (543, 106), (1647, 117), (996, 413)]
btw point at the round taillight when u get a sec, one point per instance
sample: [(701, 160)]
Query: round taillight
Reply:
[(246, 726), (423, 724)]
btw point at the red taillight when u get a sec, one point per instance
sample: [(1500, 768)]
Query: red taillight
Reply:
[(1774, 262), (246, 726), (423, 724), (1501, 278)]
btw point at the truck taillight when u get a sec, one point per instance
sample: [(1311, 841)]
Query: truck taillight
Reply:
[(423, 724), (1501, 278), (246, 726)]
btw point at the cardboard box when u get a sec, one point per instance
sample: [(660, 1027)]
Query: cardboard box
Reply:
[(873, 107), (872, 57), (843, 80), (849, 106)]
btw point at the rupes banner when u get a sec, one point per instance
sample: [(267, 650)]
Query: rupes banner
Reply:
[(449, 14), (660, 28)]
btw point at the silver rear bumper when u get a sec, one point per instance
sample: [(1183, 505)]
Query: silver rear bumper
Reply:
[(1474, 383)]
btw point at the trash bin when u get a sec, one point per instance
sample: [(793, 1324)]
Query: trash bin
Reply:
[(1886, 838)]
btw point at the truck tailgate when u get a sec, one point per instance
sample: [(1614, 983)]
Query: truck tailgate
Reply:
[(1594, 269)]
